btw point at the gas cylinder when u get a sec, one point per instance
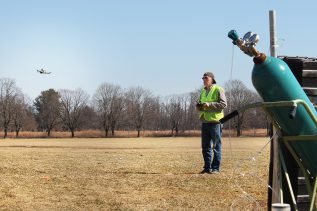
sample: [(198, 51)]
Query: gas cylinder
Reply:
[(274, 81)]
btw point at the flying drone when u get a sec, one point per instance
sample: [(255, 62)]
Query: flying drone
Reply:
[(42, 71)]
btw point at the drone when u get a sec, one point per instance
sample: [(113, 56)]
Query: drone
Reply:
[(42, 71)]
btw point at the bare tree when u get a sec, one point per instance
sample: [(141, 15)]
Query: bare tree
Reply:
[(159, 114), (21, 111), (138, 106), (193, 121), (257, 118), (155, 114), (238, 95), (185, 103), (47, 108), (175, 112), (8, 95), (89, 119), (189, 117), (109, 104), (73, 104), (118, 107)]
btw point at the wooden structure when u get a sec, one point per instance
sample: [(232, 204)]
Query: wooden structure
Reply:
[(289, 181)]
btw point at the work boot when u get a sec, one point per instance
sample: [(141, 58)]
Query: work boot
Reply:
[(206, 171), (215, 171)]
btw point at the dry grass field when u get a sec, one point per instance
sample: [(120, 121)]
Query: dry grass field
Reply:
[(130, 174)]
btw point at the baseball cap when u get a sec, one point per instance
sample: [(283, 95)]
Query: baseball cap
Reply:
[(210, 74)]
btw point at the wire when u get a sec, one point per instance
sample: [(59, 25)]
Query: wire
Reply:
[(230, 97), (236, 173), (230, 108)]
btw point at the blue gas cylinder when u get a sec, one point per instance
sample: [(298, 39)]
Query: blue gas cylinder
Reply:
[(274, 81)]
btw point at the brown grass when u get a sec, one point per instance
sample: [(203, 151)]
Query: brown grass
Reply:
[(130, 174)]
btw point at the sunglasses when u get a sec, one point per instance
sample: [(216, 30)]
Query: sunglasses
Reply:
[(204, 78)]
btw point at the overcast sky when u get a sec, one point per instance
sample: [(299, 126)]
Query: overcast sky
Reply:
[(161, 45)]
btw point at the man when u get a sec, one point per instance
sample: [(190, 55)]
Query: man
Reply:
[(212, 101)]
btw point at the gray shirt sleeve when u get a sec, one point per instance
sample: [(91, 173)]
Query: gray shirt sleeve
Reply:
[(222, 101)]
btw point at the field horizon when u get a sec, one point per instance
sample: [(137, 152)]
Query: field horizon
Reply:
[(128, 134)]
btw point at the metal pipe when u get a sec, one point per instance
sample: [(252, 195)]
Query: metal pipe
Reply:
[(281, 104), (273, 39), (288, 180)]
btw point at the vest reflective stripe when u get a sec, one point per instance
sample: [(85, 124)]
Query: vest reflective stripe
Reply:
[(213, 95)]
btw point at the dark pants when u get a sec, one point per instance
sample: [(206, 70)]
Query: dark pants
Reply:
[(211, 145)]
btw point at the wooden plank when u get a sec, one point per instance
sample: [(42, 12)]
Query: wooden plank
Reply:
[(310, 91), (309, 73), (276, 180)]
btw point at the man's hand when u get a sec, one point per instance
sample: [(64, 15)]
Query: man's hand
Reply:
[(199, 106), (202, 106), (206, 105)]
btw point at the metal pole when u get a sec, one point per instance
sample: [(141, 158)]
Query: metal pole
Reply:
[(273, 39), (275, 168)]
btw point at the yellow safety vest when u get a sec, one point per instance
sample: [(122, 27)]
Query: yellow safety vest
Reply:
[(213, 95)]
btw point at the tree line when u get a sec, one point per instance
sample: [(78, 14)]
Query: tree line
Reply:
[(113, 108)]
